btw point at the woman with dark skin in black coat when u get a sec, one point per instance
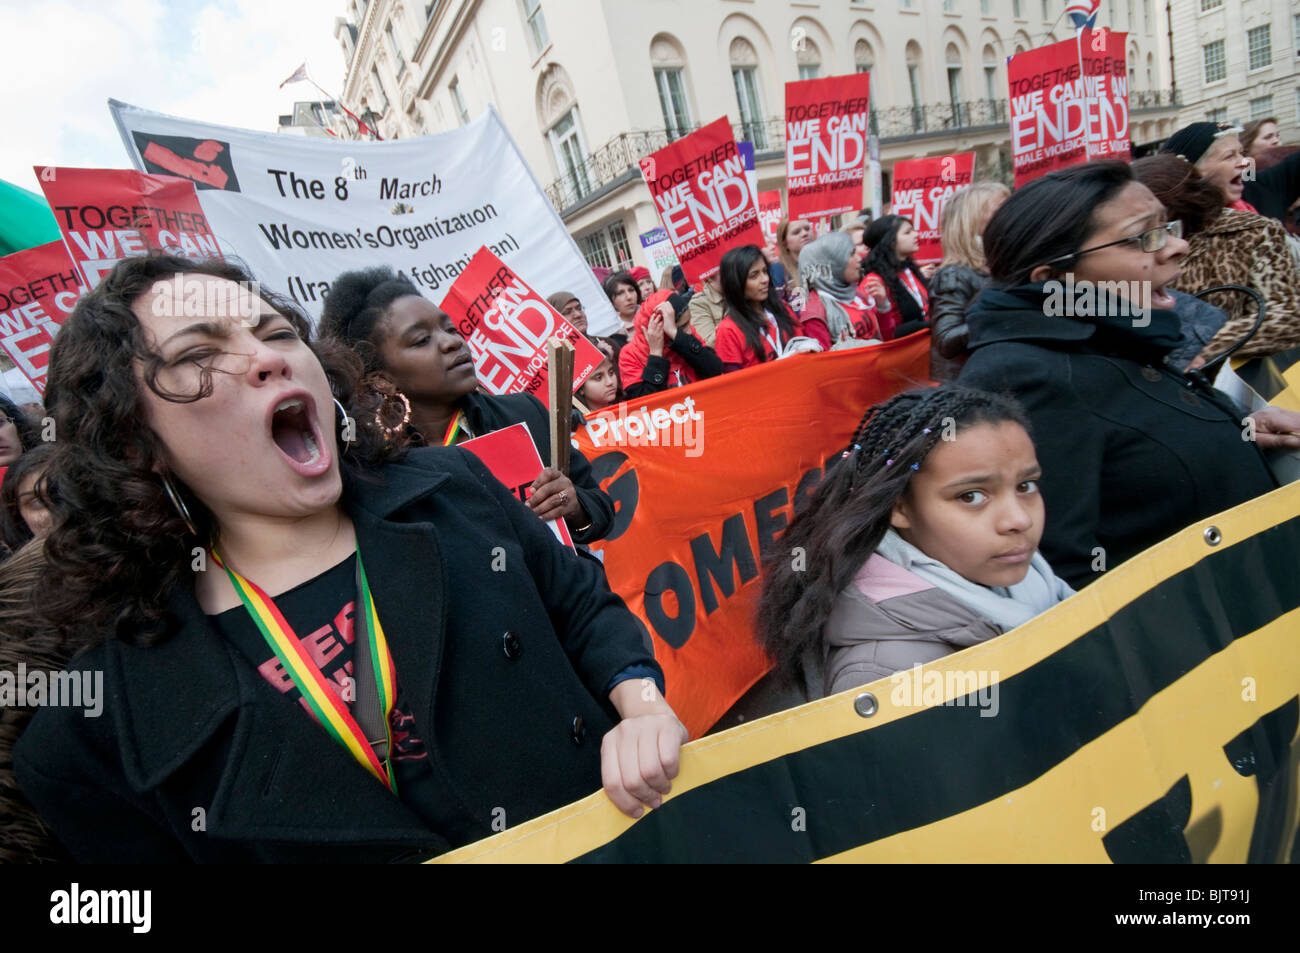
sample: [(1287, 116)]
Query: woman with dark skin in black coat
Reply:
[(410, 342), (1132, 449)]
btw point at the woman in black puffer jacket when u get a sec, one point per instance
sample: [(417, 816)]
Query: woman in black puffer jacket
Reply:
[(961, 274)]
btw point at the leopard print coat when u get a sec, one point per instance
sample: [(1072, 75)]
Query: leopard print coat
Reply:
[(1241, 248)]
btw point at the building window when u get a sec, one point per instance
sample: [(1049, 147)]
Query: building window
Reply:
[(986, 7), (618, 241), (1046, 18), (914, 84), (458, 101), (399, 62), (953, 63), (595, 250), (1215, 67), (566, 142), (905, 4), (1218, 115), (1261, 106), (1017, 8), (607, 247), (949, 6), (1146, 15), (1259, 46), (672, 100), (536, 24), (809, 59), (1210, 5), (379, 91), (864, 60), (1295, 33), (747, 97)]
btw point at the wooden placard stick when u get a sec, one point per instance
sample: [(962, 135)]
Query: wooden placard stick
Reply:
[(559, 369)]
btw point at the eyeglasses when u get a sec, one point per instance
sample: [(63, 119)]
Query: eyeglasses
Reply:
[(1152, 240)]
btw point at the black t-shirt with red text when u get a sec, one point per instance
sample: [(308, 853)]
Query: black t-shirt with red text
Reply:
[(320, 612)]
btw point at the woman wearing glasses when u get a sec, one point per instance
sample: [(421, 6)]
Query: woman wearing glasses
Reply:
[(1229, 247), (1076, 325)]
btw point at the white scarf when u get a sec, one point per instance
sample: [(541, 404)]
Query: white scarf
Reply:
[(1006, 607)]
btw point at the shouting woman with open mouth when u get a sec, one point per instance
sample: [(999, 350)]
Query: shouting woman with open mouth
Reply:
[(312, 652)]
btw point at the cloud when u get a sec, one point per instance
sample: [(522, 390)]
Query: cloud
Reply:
[(217, 62)]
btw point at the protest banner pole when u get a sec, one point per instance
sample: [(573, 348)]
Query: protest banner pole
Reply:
[(559, 379)]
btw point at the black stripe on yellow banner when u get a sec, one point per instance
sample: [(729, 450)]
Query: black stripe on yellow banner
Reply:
[(941, 761)]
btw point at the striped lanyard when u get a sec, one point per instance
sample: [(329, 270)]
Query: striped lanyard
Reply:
[(323, 702), (773, 339), (453, 429)]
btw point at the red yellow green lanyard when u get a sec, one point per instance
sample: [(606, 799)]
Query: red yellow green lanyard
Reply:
[(329, 709), (457, 424)]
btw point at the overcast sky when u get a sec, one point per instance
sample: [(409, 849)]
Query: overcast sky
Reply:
[(212, 60)]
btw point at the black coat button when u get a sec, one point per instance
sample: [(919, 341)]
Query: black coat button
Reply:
[(511, 645), (578, 731)]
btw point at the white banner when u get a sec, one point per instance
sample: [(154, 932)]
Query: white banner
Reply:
[(299, 211)]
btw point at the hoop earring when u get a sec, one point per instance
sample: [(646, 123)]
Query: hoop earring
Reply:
[(179, 503), (390, 432), (348, 426)]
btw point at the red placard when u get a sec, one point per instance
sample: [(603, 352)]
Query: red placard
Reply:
[(1104, 68), (703, 198), (106, 215), (513, 459), (1069, 103), (769, 214), (826, 122), (507, 325), (921, 187), (38, 288)]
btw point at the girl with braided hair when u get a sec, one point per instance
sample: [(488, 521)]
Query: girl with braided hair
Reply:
[(921, 540)]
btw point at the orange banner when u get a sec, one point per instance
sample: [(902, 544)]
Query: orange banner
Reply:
[(703, 480)]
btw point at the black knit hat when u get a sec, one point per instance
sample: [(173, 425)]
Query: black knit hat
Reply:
[(1192, 142)]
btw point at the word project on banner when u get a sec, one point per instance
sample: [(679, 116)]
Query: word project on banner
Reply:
[(691, 527), (507, 325), (826, 125), (921, 187), (38, 288), (106, 215), (300, 211), (1069, 103), (512, 457), (703, 197)]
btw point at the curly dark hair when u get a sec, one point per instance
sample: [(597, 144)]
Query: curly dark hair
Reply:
[(118, 546), (842, 522), (355, 308), (881, 237)]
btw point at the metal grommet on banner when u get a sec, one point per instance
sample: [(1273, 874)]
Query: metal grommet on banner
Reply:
[(865, 704), (1213, 536)]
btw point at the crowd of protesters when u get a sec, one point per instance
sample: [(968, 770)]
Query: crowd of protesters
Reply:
[(195, 532)]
